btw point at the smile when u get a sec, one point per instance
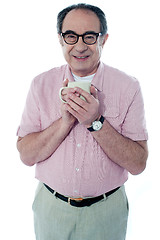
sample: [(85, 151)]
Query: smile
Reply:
[(81, 57)]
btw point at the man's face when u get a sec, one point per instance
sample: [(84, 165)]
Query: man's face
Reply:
[(83, 59)]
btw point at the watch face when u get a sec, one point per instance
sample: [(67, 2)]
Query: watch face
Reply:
[(97, 125)]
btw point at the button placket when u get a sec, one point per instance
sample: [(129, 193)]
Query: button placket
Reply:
[(78, 145), (77, 169)]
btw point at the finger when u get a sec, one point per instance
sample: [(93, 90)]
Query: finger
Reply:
[(65, 82), (94, 92), (69, 90), (77, 102), (82, 92), (75, 111)]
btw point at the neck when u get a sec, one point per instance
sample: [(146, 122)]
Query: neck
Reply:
[(85, 73), (84, 79)]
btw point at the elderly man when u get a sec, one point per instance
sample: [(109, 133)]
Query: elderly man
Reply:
[(84, 148)]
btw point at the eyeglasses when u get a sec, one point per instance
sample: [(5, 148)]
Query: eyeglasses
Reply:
[(88, 38)]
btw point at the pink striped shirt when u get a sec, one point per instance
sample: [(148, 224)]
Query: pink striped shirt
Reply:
[(79, 167)]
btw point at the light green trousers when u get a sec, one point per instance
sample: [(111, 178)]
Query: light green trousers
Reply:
[(55, 219)]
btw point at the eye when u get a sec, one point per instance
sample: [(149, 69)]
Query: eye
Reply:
[(90, 38), (70, 37)]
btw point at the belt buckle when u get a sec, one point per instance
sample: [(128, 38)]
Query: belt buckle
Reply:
[(74, 199)]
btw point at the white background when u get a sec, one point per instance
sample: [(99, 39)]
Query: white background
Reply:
[(29, 46)]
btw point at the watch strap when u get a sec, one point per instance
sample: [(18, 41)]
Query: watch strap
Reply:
[(101, 120)]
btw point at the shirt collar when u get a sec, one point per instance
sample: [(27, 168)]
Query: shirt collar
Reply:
[(97, 79)]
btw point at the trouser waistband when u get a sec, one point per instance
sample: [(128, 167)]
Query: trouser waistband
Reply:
[(80, 202)]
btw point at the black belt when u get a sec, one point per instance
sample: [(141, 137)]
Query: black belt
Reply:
[(81, 203)]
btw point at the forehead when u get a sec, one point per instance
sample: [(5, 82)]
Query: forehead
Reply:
[(81, 21)]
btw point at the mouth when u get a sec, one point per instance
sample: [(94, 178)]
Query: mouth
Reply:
[(81, 58)]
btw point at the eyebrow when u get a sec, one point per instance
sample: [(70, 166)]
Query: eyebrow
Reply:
[(70, 31)]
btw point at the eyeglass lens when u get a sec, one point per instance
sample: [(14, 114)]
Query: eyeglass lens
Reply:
[(71, 38)]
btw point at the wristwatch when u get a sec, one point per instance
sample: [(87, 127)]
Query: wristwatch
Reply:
[(96, 125)]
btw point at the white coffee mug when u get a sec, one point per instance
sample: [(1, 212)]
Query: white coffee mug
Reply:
[(84, 85)]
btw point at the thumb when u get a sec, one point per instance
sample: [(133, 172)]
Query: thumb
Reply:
[(65, 82), (94, 92)]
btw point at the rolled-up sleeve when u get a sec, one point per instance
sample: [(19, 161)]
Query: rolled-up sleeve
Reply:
[(30, 121), (134, 125)]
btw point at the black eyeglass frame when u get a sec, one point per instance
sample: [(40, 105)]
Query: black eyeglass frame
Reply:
[(81, 35)]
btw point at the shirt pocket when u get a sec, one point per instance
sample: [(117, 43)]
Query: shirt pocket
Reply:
[(113, 116), (112, 112)]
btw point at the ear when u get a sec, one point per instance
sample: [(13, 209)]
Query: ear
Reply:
[(105, 37), (60, 39)]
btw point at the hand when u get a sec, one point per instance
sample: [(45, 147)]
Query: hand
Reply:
[(67, 117), (84, 111), (67, 91)]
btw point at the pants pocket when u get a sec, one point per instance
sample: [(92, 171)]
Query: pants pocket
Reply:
[(37, 192)]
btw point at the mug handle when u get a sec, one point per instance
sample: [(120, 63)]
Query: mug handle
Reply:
[(60, 94)]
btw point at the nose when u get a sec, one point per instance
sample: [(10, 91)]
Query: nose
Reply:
[(80, 46)]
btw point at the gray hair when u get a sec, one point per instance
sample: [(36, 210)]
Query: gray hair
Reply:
[(100, 14)]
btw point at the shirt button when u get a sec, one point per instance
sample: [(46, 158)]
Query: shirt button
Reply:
[(78, 145), (75, 191), (77, 169)]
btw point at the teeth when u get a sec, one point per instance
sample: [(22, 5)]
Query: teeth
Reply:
[(80, 57)]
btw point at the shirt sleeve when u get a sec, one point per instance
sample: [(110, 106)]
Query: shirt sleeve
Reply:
[(134, 125), (30, 121)]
